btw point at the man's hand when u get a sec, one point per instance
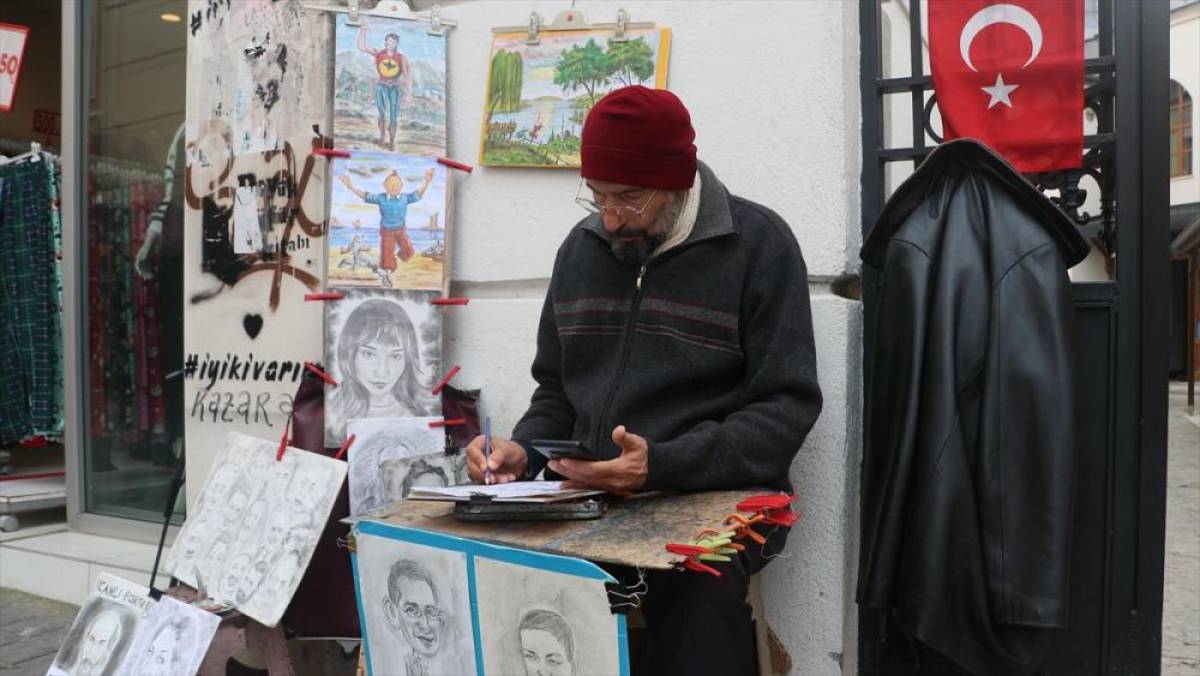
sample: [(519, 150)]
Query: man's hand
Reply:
[(508, 460), (624, 475)]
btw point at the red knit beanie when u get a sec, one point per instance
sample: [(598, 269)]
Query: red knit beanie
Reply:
[(642, 137)]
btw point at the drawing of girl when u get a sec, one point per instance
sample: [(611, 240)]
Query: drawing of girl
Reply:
[(380, 361)]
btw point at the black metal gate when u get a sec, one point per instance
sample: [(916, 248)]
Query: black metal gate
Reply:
[(1117, 580)]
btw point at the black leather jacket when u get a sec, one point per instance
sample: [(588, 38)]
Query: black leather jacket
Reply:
[(969, 442)]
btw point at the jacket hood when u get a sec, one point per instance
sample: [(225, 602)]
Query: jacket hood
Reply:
[(958, 159), (713, 218)]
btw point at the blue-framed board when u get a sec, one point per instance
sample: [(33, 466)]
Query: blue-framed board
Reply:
[(432, 603)]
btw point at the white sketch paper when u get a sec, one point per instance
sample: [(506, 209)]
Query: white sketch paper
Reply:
[(416, 608), (534, 621), (384, 349), (104, 629), (378, 440), (255, 525), (171, 641)]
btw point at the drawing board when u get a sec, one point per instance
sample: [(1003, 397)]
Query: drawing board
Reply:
[(529, 612), (102, 633), (255, 524), (171, 641)]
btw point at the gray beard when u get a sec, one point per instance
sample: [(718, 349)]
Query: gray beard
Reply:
[(638, 251)]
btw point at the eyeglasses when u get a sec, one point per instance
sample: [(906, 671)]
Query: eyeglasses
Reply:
[(623, 210), (433, 614)]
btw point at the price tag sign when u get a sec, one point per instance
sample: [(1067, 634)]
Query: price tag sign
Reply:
[(12, 53)]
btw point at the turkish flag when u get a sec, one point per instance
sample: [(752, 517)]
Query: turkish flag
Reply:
[(1010, 74)]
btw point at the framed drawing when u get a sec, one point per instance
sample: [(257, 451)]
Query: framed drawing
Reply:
[(539, 95)]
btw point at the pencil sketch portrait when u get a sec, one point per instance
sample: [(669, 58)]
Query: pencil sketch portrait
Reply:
[(104, 629), (543, 623), (384, 349), (401, 475), (171, 641), (416, 607), (379, 440), (256, 524)]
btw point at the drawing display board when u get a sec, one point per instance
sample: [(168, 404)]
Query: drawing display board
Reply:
[(539, 95), (384, 349), (121, 629), (389, 87), (433, 603), (252, 531), (388, 223)]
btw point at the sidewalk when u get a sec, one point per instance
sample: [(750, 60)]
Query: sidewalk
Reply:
[(30, 630), (1181, 586)]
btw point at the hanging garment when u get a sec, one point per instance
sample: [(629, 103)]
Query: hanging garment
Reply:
[(968, 460), (30, 300)]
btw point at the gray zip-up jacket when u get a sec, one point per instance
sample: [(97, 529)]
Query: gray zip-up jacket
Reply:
[(706, 351)]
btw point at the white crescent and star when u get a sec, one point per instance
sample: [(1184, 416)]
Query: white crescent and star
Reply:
[(994, 14)]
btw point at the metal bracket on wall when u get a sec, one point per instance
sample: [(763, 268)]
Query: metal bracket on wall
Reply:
[(573, 20), (387, 9)]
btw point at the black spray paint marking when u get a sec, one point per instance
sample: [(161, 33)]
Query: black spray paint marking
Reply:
[(242, 407), (236, 367), (209, 14)]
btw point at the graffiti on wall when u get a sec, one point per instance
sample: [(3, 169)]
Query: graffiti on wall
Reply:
[(254, 222)]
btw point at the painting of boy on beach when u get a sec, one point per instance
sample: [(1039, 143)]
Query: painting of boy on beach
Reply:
[(387, 223), (539, 95)]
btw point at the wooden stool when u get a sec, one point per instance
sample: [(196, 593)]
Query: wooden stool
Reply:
[(238, 632)]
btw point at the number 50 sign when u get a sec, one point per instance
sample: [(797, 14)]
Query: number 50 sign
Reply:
[(12, 51)]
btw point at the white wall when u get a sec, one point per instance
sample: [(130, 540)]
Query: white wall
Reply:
[(773, 91), (1185, 69)]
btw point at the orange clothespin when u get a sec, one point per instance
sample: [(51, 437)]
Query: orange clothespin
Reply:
[(319, 373), (283, 442), (345, 447), (437, 389)]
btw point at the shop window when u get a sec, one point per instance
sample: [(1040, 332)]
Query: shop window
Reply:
[(133, 100), (1181, 131)]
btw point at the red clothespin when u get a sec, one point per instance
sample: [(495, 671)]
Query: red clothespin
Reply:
[(775, 509), (455, 165), (283, 442), (450, 301), (696, 566), (319, 373), (437, 389), (324, 295), (331, 152), (453, 422), (345, 447), (759, 503)]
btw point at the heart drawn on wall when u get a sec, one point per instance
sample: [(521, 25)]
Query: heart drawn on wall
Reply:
[(252, 324)]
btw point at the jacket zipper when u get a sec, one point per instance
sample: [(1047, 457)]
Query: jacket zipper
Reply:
[(625, 348)]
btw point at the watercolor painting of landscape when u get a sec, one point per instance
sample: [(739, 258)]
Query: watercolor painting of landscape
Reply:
[(388, 223), (390, 87), (539, 95)]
